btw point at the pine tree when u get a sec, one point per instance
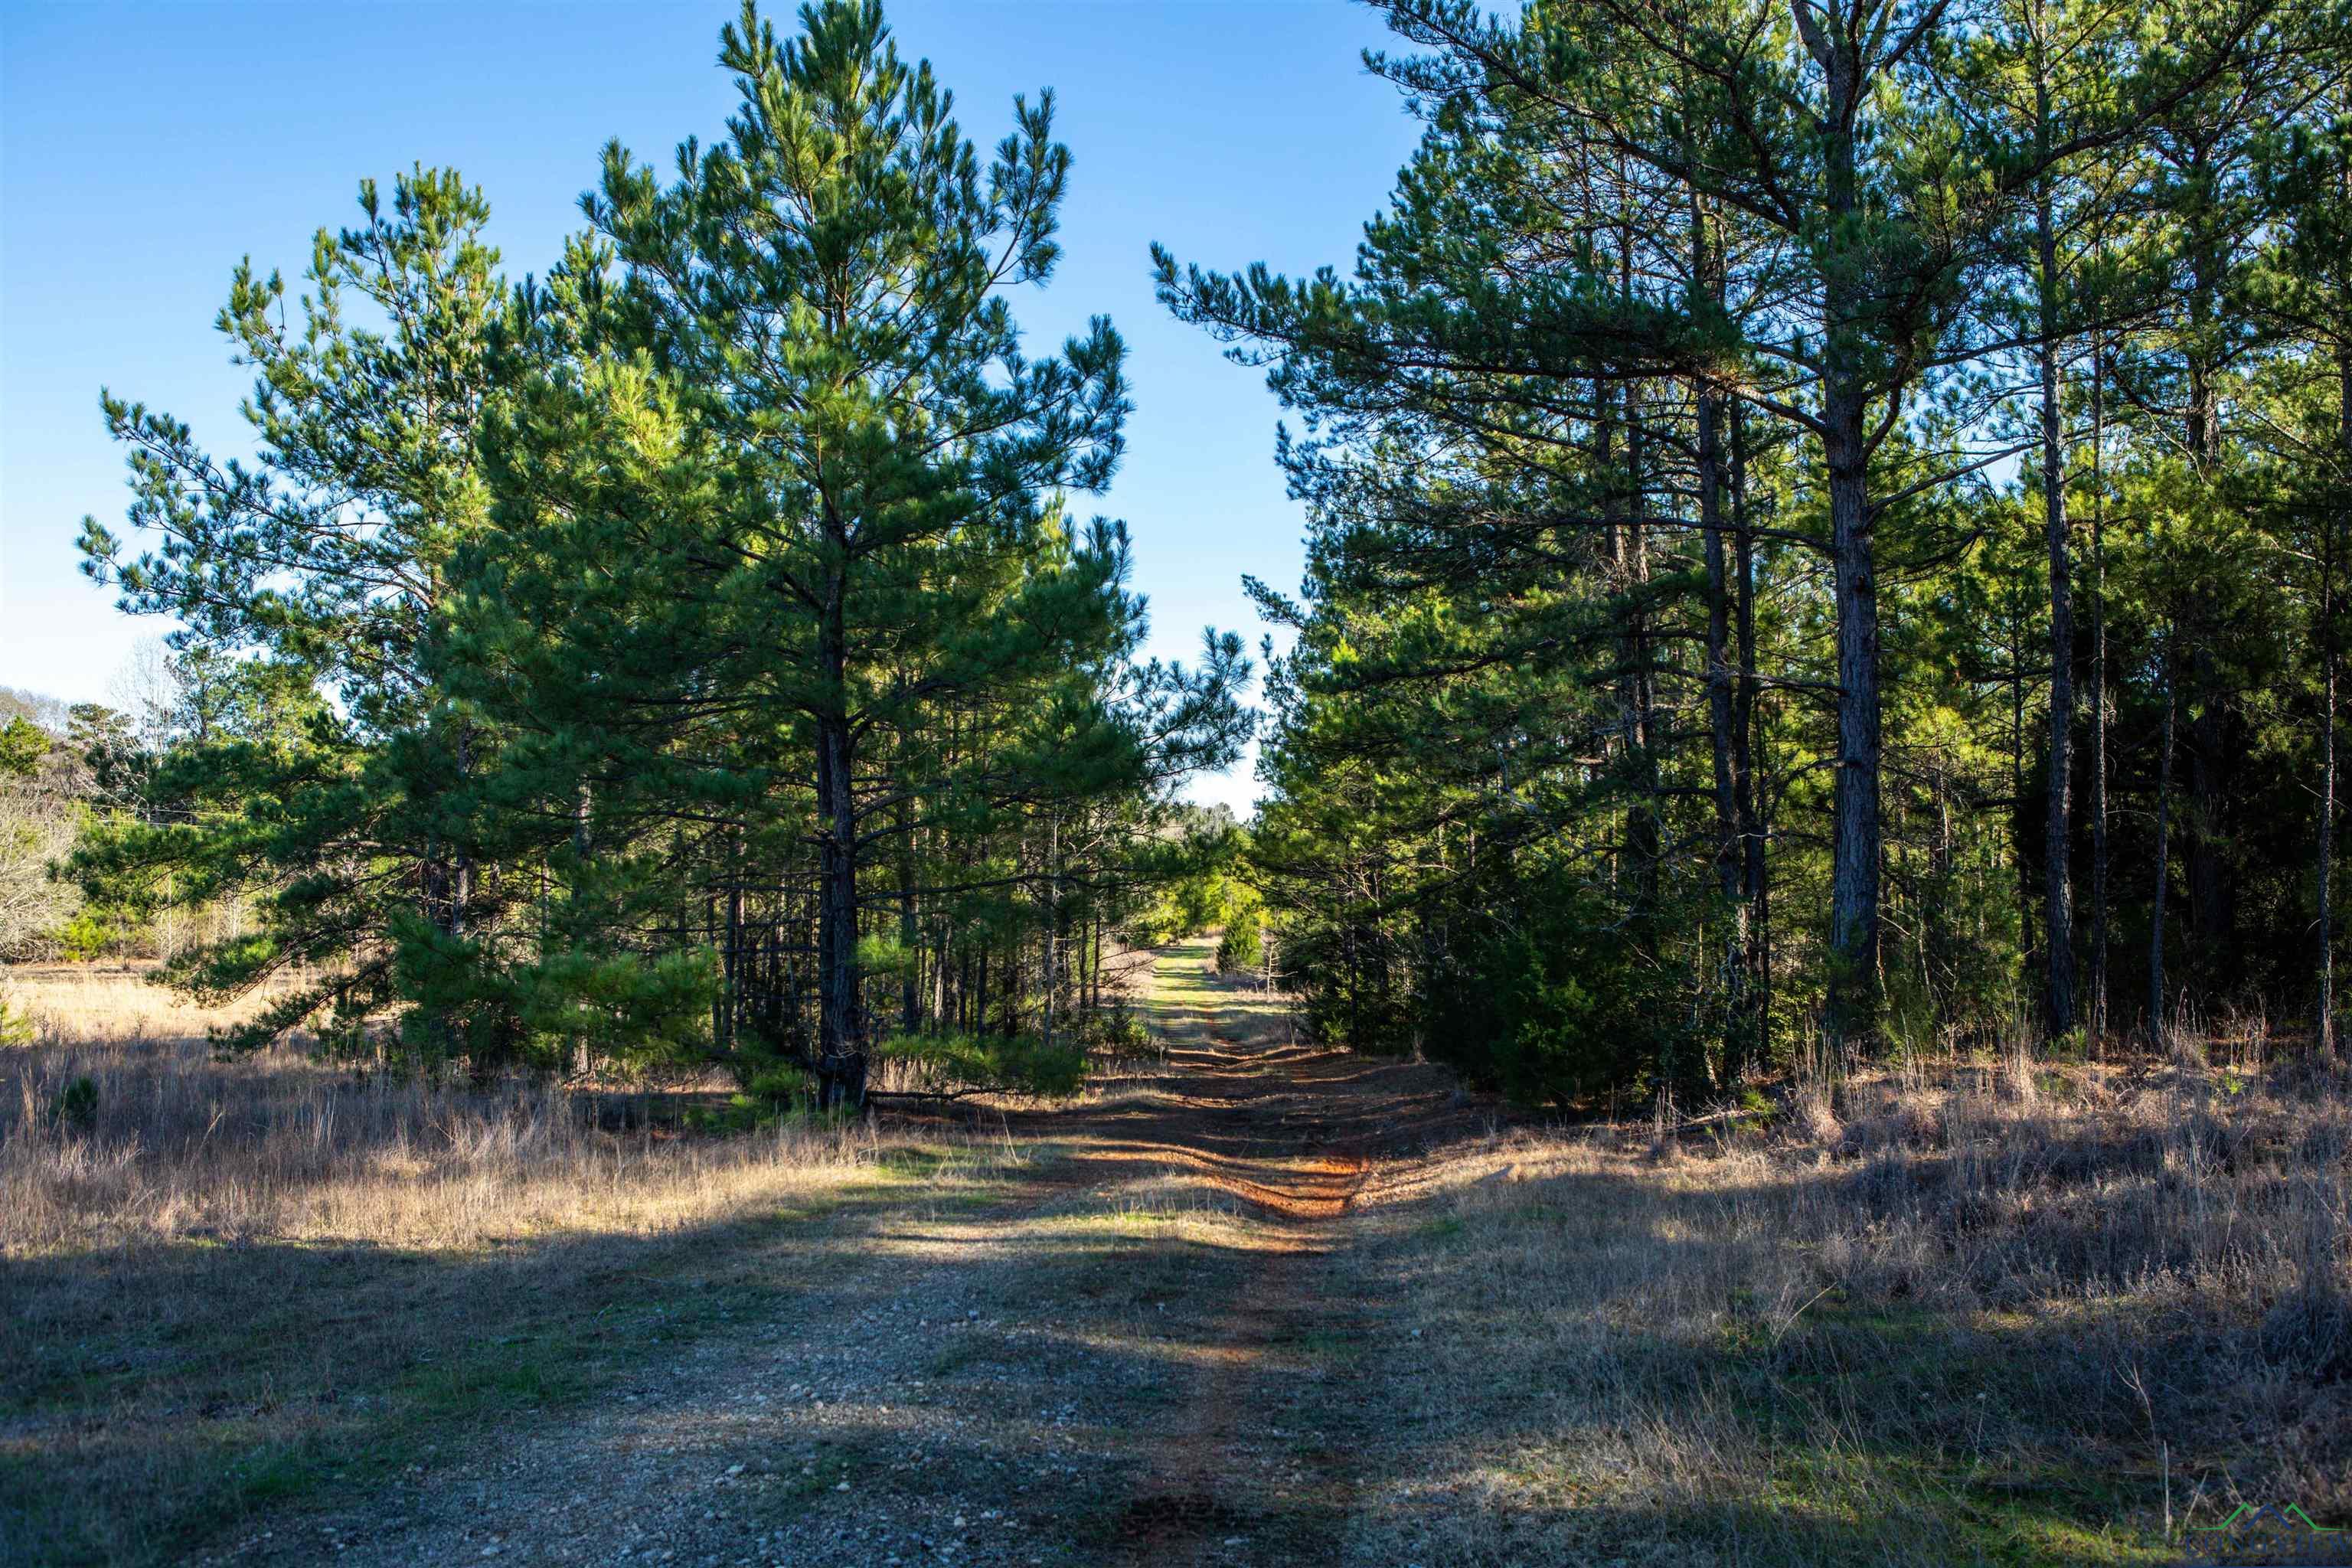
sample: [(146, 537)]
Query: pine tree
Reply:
[(330, 560), (2303, 293), (784, 406)]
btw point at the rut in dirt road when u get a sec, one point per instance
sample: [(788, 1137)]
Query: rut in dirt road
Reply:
[(1199, 1487), (1127, 1351)]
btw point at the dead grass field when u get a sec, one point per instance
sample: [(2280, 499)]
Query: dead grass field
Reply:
[(1971, 1313), (1245, 1302), (240, 1279), (100, 1004)]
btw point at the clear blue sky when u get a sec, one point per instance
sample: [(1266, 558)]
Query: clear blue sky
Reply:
[(144, 148)]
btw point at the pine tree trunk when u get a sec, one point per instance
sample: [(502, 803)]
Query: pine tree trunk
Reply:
[(461, 889), (1720, 694), (1616, 544), (1013, 981), (2019, 811), (1829, 37), (1854, 830), (2327, 855), (1649, 814), (911, 1009), (2209, 916), (841, 1043), (1720, 715), (978, 1025), (2156, 1030), (2098, 954), (733, 991), (1855, 834), (1746, 799), (2208, 897), (2058, 899), (1049, 966), (2327, 850), (943, 975)]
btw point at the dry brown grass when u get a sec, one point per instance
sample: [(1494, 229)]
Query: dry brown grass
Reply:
[(232, 1279), (92, 1003), (1968, 1312), (1994, 1310), (281, 1149)]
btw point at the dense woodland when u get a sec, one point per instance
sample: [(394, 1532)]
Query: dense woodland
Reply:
[(1825, 526)]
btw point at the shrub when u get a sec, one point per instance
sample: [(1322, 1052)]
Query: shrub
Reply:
[(1242, 949), (76, 1105), (960, 1063), (1115, 1029), (33, 835), (1560, 1010), (781, 1086), (89, 934)]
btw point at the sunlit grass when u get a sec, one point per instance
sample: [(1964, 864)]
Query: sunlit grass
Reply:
[(1972, 1325)]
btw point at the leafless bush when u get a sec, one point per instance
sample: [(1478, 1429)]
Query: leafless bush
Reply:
[(36, 831)]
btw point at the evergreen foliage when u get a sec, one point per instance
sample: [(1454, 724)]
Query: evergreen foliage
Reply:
[(1821, 522), (1679, 669), (690, 657), (313, 590)]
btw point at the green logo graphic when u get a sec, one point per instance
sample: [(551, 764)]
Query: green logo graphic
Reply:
[(2258, 1532), (2247, 1514)]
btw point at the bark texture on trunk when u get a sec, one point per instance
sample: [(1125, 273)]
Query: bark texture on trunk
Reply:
[(2326, 851), (841, 1025), (1747, 787), (1723, 706), (1845, 398), (2209, 917), (2058, 897), (2099, 895), (2155, 1029), (910, 1007), (1721, 713), (1855, 844)]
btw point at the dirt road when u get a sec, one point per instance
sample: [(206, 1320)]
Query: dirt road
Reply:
[(1133, 1354)]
